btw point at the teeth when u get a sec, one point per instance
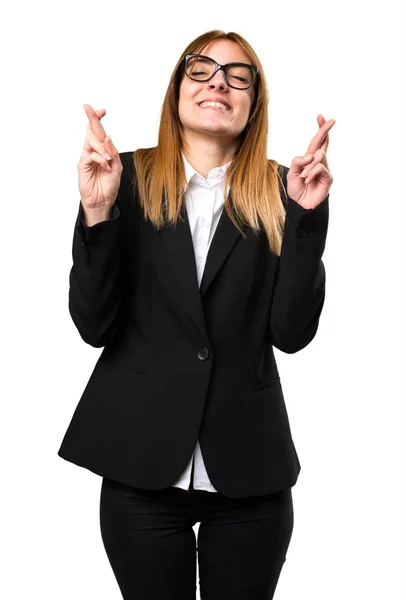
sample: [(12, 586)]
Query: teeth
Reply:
[(217, 104)]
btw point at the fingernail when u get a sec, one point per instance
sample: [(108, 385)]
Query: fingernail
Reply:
[(303, 173), (307, 156), (107, 155)]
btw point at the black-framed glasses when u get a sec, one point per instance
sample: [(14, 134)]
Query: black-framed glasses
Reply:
[(240, 76)]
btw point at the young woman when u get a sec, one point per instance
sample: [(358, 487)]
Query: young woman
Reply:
[(191, 261)]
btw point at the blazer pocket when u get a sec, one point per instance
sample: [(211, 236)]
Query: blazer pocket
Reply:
[(265, 384), (125, 368)]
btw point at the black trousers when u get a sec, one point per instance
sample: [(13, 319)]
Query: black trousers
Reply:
[(151, 545)]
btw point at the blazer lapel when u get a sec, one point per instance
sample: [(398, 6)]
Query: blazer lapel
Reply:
[(224, 239), (179, 244)]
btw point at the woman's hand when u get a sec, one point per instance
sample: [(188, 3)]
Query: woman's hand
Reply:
[(99, 181), (309, 179)]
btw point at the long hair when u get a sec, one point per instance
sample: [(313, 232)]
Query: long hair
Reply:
[(254, 198)]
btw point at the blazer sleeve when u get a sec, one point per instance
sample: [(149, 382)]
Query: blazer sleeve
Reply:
[(97, 282), (299, 291)]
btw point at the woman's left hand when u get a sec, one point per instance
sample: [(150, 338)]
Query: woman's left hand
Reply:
[(309, 179)]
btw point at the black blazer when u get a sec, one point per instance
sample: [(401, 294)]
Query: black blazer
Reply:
[(181, 363)]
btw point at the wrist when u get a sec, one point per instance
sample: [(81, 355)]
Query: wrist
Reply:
[(96, 215)]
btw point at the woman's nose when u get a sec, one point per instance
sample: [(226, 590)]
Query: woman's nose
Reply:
[(219, 79)]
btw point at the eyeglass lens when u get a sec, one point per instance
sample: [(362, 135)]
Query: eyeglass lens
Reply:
[(202, 69)]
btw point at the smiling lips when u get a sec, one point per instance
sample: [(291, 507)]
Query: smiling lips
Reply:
[(215, 105)]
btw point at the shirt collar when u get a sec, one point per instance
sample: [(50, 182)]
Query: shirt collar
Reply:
[(218, 172)]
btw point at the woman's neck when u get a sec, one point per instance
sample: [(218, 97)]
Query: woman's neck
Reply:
[(205, 154)]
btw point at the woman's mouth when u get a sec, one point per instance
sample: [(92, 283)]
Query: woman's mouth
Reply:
[(215, 105)]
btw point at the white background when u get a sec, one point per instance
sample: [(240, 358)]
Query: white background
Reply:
[(344, 392)]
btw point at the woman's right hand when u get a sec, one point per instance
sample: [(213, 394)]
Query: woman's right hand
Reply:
[(99, 177)]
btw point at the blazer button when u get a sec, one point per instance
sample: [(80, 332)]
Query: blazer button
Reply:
[(301, 232), (203, 354)]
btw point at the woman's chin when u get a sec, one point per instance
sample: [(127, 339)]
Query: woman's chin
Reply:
[(213, 127), (210, 128)]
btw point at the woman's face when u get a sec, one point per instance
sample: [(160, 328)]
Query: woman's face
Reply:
[(216, 121)]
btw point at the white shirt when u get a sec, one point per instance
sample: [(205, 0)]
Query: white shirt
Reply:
[(204, 206)]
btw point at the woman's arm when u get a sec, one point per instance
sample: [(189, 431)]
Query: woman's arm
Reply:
[(299, 292), (97, 285)]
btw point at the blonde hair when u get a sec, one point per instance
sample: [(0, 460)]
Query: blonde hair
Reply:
[(254, 197)]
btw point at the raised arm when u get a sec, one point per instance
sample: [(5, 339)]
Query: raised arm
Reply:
[(96, 282), (299, 292)]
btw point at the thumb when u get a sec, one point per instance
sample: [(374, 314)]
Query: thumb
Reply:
[(299, 162)]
